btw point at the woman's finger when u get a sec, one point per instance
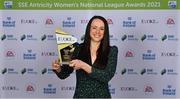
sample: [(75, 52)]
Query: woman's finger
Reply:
[(56, 61), (71, 64), (55, 65)]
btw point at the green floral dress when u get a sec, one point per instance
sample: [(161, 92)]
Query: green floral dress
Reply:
[(95, 84)]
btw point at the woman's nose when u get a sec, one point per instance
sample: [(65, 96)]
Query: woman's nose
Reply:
[(98, 30)]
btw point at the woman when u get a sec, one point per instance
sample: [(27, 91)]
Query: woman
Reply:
[(94, 61)]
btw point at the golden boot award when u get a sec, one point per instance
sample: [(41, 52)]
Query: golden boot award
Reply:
[(66, 44)]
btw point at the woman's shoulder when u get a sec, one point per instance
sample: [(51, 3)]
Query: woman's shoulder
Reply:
[(113, 51), (113, 48)]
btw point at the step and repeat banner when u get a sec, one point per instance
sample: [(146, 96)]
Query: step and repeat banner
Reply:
[(146, 33)]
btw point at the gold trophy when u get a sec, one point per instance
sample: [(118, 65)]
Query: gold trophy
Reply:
[(66, 44)]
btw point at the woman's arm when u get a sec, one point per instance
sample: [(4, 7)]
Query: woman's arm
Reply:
[(105, 75), (64, 71), (102, 75)]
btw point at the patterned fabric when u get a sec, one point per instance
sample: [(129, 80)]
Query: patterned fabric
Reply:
[(95, 84)]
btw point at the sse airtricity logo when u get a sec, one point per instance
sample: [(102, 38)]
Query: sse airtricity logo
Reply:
[(8, 4), (172, 3)]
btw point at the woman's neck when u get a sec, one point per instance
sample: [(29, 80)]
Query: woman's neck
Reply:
[(94, 46), (93, 50)]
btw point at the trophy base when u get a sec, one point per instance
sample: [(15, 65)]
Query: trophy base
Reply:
[(65, 63)]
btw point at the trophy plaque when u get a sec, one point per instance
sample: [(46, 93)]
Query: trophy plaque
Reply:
[(65, 44)]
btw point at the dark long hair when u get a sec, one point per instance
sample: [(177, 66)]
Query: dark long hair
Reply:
[(103, 50)]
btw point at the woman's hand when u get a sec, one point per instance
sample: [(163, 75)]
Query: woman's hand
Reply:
[(56, 65), (78, 64)]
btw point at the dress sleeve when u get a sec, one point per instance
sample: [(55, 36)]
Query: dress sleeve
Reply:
[(65, 69), (106, 74)]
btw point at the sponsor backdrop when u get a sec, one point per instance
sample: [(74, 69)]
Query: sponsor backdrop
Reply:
[(145, 31)]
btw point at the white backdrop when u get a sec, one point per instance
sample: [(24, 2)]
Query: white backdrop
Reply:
[(147, 40)]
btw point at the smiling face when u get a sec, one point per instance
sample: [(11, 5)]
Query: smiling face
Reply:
[(97, 30)]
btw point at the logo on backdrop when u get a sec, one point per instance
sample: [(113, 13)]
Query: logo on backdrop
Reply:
[(129, 54), (129, 23), (109, 21), (3, 37), (149, 21), (10, 88), (169, 54), (46, 54), (128, 71), (67, 88), (129, 37), (172, 4), (148, 89), (28, 71), (49, 89), (170, 22), (29, 55), (68, 22), (8, 37), (9, 22), (128, 89), (28, 21), (28, 37), (168, 71), (169, 91), (112, 90), (48, 37), (148, 71), (49, 21), (47, 71), (9, 71), (9, 54), (84, 21), (169, 37), (30, 88), (8, 4), (149, 55), (148, 37)]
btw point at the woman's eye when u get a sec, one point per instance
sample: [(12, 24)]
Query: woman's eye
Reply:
[(102, 28)]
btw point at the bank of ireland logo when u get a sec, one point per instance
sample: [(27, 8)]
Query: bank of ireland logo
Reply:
[(169, 90), (8, 4), (172, 3)]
